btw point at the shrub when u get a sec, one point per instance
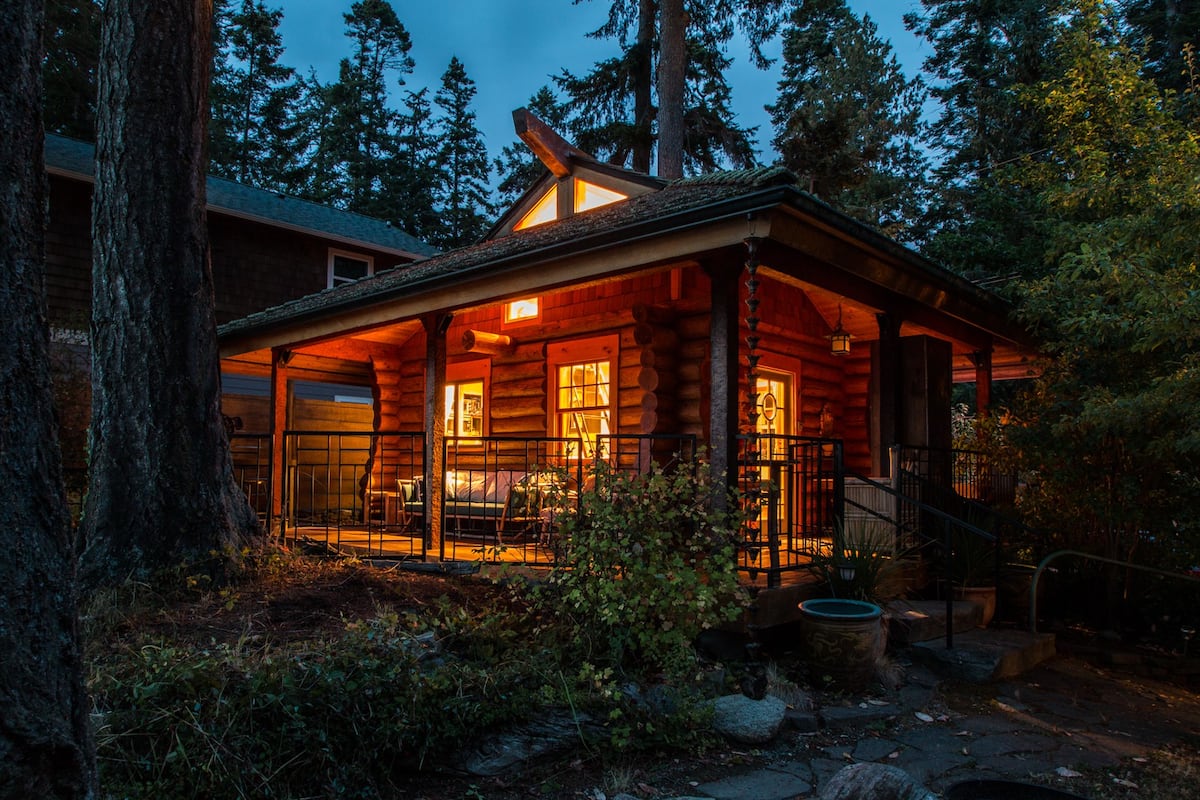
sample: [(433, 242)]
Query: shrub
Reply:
[(647, 563)]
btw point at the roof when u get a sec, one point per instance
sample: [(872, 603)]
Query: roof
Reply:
[(75, 159), (578, 233)]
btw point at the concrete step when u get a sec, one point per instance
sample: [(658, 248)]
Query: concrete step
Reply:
[(985, 655), (911, 621)]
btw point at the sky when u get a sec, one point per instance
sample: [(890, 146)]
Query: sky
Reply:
[(510, 48)]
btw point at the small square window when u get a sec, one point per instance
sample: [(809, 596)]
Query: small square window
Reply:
[(348, 267), (525, 310)]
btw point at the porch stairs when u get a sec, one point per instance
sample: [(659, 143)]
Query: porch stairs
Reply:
[(979, 655)]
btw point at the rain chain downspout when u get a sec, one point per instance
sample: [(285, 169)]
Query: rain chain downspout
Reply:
[(1037, 573)]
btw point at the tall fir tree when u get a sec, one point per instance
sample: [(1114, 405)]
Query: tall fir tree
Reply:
[(463, 197), (414, 172), (1169, 31), (251, 129), (617, 112), (72, 39), (847, 120), (357, 124), (982, 50)]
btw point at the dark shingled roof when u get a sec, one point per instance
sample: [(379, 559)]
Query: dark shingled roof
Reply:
[(680, 200), (77, 158)]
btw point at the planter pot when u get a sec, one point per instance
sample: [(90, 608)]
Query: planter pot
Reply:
[(984, 597), (842, 639)]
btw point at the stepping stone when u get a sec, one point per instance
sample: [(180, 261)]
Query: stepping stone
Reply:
[(982, 656)]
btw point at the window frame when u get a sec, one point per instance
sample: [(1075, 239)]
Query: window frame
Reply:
[(570, 352), (477, 370), (334, 253)]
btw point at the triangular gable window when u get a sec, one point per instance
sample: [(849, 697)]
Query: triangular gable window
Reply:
[(586, 196), (589, 195)]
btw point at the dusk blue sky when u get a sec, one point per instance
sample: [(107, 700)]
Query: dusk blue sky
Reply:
[(510, 48)]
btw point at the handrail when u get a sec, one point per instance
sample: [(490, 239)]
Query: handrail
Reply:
[(1037, 573), (947, 521)]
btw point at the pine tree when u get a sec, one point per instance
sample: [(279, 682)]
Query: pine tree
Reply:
[(982, 51), (251, 132), (464, 202), (356, 124), (414, 172), (847, 119), (614, 105), (1170, 32), (72, 37)]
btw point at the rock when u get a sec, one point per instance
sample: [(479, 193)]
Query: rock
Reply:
[(554, 733), (873, 782), (748, 721)]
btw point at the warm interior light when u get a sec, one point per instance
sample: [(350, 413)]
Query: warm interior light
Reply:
[(521, 310), (545, 210), (589, 195), (839, 340)]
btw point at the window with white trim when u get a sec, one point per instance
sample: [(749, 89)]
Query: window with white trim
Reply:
[(583, 380), (347, 267)]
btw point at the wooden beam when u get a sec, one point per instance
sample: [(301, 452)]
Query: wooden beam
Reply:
[(435, 426), (493, 344), (553, 150)]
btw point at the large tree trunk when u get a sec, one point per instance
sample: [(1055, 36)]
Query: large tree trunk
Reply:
[(672, 73), (643, 86), (45, 744), (162, 491)]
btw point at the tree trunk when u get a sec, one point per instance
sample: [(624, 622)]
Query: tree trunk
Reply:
[(672, 68), (162, 491), (643, 85), (45, 740)]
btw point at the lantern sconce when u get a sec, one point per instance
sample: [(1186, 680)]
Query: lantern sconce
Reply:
[(839, 340)]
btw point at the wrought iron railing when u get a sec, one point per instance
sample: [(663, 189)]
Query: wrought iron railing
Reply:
[(792, 489), (251, 456)]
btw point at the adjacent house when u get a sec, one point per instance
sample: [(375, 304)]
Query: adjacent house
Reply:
[(267, 248), (613, 315)]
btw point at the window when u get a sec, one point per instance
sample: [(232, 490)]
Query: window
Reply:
[(464, 409), (589, 195), (584, 196), (347, 267), (545, 210), (582, 402), (525, 310)]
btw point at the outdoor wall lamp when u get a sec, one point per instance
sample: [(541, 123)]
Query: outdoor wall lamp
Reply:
[(839, 340), (846, 571)]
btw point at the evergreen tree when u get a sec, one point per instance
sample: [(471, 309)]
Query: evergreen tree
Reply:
[(358, 126), (1170, 33), (464, 204), (982, 51), (251, 131), (614, 109), (517, 167), (72, 37), (847, 119), (414, 174)]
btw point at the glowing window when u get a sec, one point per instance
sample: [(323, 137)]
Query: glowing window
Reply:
[(522, 310), (464, 409), (589, 195), (583, 402), (545, 210)]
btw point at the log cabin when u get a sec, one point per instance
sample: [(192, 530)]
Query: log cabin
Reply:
[(612, 314)]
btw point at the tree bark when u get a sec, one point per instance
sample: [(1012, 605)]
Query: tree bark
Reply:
[(643, 84), (672, 69), (162, 491), (45, 740)]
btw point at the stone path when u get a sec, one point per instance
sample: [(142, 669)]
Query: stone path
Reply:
[(1065, 715)]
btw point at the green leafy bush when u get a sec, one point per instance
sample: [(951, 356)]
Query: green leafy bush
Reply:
[(647, 563)]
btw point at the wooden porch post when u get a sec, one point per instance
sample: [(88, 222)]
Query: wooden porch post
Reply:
[(982, 359), (435, 426), (279, 408), (723, 344), (885, 393)]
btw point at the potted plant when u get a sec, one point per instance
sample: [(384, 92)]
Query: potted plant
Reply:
[(973, 572)]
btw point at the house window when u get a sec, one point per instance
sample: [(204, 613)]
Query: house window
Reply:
[(545, 210), (583, 406), (347, 267), (464, 409), (589, 195), (525, 310)]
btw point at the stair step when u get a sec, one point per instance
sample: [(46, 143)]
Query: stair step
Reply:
[(913, 621), (984, 655)]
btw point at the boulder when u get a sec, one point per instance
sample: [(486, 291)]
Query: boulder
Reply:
[(554, 733), (873, 782), (746, 720)]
